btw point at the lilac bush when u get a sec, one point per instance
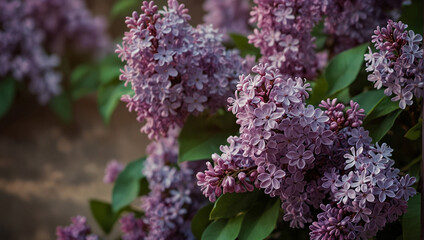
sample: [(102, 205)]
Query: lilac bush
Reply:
[(307, 157), (229, 16), (174, 69), (397, 64), (173, 199), (78, 230), (34, 33)]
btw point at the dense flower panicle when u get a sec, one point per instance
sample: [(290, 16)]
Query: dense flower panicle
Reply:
[(174, 69), (78, 230), (173, 199), (398, 63), (283, 34), (229, 16), (112, 171), (31, 28), (351, 22), (306, 156)]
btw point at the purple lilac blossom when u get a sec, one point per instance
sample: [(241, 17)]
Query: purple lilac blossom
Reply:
[(351, 22), (307, 157), (173, 199), (112, 171), (174, 69), (229, 16), (283, 34), (398, 64), (78, 230), (29, 29)]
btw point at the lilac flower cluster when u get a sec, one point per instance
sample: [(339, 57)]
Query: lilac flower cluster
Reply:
[(28, 27), (229, 16), (174, 69), (78, 230), (286, 147), (284, 28), (112, 171), (368, 194), (398, 65), (283, 34), (173, 199), (351, 22)]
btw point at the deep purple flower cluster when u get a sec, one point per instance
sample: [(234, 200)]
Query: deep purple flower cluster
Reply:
[(299, 153), (78, 230), (283, 34), (112, 171), (31, 28), (398, 65), (229, 16), (174, 69), (351, 22), (173, 199)]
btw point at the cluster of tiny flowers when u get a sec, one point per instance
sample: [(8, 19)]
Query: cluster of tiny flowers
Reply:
[(398, 64), (112, 171), (283, 34), (173, 199), (286, 146), (351, 22), (366, 194), (174, 69), (229, 16), (31, 28), (78, 230)]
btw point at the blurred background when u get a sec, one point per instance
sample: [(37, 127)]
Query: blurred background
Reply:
[(49, 169)]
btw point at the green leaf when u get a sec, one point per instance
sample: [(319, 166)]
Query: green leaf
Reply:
[(415, 132), (108, 98), (127, 185), (7, 94), (223, 229), (202, 136), (201, 220), (319, 91), (84, 80), (383, 107), (110, 69), (369, 99), (123, 7), (242, 44), (379, 127), (320, 36), (231, 204), (343, 68), (411, 219), (62, 106), (412, 14), (103, 214), (260, 220)]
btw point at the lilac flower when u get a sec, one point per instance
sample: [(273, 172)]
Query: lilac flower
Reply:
[(173, 197), (112, 171), (230, 16), (34, 35), (78, 230), (398, 64), (311, 156), (272, 179), (405, 189), (384, 189), (174, 69)]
